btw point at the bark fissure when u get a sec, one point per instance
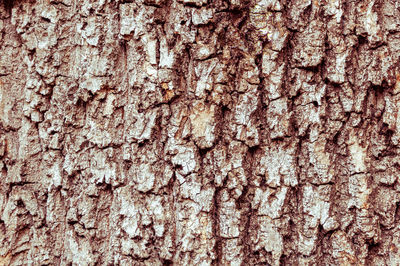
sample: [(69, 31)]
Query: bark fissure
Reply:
[(184, 132)]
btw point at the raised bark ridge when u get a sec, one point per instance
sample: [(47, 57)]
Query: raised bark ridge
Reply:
[(211, 132)]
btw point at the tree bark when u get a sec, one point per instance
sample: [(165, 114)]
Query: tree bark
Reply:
[(199, 132)]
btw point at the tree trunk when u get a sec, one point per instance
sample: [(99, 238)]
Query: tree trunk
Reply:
[(199, 132)]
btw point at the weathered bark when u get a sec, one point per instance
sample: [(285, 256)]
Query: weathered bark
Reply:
[(211, 132)]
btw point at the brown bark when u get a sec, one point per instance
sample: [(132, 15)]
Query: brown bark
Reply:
[(211, 132)]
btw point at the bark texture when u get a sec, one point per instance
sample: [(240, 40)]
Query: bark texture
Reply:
[(199, 132)]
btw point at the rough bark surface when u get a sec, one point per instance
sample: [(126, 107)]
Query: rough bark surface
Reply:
[(210, 132)]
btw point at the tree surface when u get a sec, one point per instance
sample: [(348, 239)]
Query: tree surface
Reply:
[(199, 132)]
